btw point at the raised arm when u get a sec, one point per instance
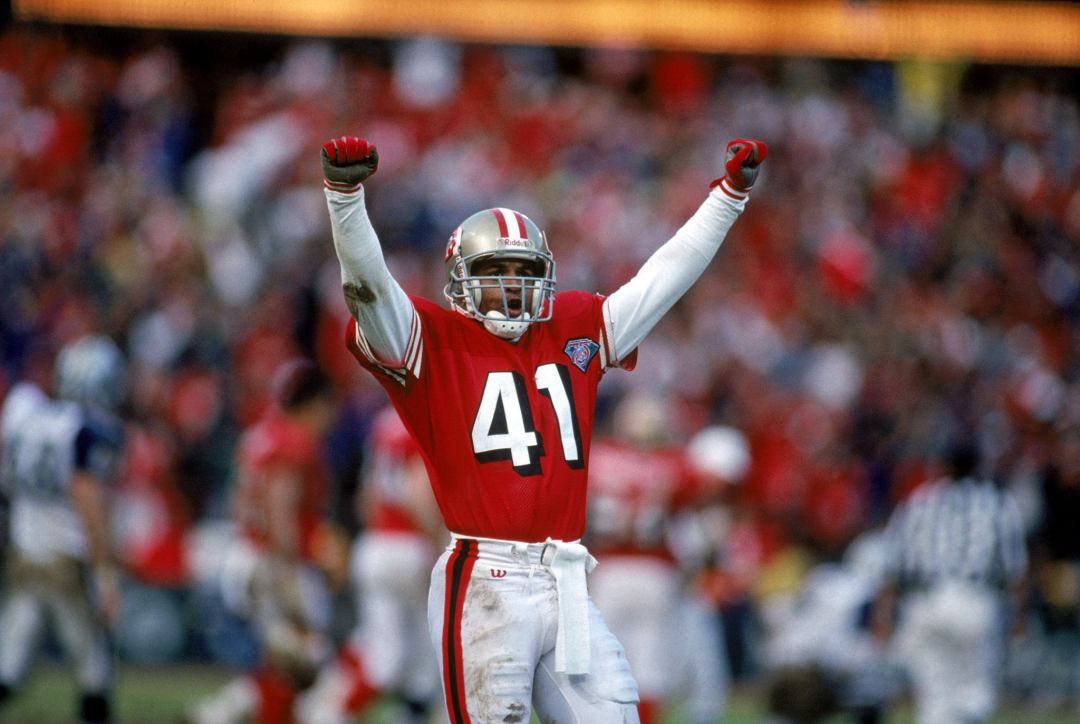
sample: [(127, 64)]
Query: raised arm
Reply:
[(639, 304), (383, 312)]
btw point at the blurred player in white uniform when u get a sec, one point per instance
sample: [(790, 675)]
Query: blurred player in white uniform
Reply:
[(636, 485), (820, 649), (390, 651), (58, 459), (719, 456)]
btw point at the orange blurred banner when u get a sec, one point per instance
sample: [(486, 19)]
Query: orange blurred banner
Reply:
[(1038, 33)]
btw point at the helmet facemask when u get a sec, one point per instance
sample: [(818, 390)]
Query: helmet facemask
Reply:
[(519, 300)]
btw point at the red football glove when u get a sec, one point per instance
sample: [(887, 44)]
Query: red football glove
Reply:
[(741, 164), (347, 161)]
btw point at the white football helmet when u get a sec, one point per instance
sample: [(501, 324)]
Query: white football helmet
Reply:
[(721, 452), (91, 370), (500, 234)]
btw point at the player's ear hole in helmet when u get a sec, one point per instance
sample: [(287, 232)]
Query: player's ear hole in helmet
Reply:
[(500, 272)]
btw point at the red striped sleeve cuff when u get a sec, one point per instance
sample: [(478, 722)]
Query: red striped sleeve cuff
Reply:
[(723, 185), (342, 188)]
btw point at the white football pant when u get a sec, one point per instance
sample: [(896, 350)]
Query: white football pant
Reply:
[(29, 603), (950, 641), (705, 676), (494, 614)]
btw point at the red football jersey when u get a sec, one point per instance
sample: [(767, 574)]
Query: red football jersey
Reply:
[(504, 426), (276, 444), (632, 494), (392, 453)]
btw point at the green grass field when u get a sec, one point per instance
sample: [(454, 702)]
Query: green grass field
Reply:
[(159, 695)]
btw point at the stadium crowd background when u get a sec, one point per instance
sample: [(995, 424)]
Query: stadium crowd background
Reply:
[(908, 272)]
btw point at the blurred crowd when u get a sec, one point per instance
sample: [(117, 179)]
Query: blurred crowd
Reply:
[(906, 275)]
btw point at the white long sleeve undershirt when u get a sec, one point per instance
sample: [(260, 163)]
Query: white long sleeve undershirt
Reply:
[(385, 313), (639, 304), (386, 317)]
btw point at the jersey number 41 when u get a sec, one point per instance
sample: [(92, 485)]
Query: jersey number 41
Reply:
[(504, 428)]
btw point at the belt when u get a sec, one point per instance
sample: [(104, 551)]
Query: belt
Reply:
[(569, 561)]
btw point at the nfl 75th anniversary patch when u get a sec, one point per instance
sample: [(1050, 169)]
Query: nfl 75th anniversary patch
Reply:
[(581, 351)]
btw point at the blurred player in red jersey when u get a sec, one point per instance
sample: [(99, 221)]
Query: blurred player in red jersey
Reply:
[(637, 481), (499, 391), (150, 514), (272, 577), (389, 651)]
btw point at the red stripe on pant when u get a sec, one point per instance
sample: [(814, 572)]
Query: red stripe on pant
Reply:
[(458, 571)]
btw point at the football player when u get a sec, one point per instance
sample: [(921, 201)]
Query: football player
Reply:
[(389, 651), (499, 391), (272, 572), (637, 481), (59, 456), (823, 636)]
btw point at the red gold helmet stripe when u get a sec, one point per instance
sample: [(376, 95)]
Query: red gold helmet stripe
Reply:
[(509, 219), (521, 226), (504, 230)]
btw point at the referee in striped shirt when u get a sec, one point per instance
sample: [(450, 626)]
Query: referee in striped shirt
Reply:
[(957, 560)]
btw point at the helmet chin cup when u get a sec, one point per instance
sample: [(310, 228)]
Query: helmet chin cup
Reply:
[(500, 326)]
